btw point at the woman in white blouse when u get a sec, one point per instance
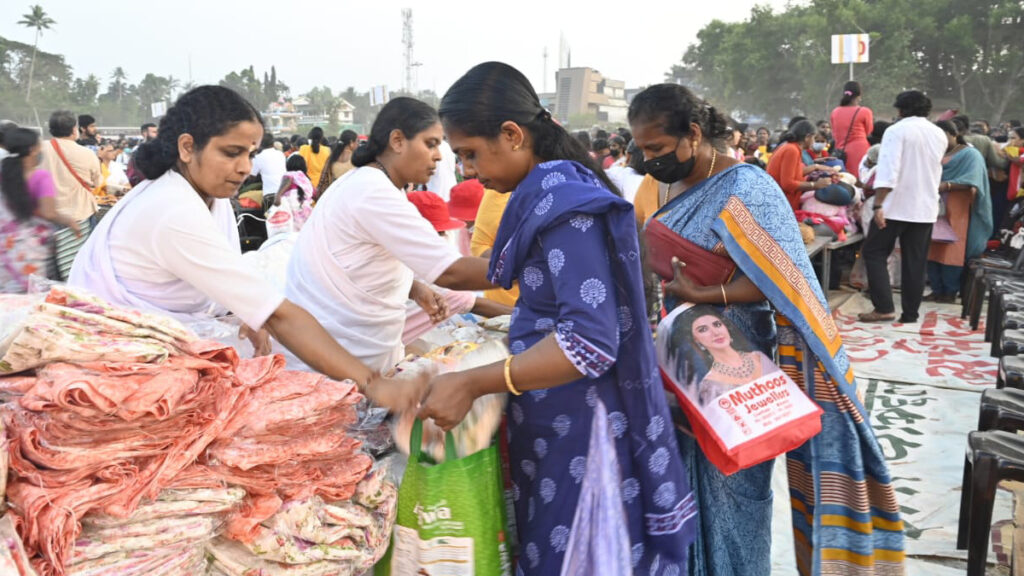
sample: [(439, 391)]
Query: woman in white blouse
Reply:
[(366, 249), (171, 245)]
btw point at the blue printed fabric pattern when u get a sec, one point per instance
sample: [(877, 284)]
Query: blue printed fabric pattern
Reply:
[(572, 245)]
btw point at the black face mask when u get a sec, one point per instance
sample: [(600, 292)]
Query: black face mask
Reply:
[(668, 169), (615, 152)]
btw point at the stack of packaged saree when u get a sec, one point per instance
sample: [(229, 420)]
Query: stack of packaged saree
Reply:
[(134, 445), (315, 536), (289, 442)]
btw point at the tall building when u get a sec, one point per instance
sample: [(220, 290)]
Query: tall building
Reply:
[(584, 91)]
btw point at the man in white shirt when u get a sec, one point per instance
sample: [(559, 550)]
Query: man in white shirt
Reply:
[(906, 207), (269, 164)]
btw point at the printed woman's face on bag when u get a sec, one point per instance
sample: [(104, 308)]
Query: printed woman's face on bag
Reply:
[(219, 168), (711, 333)]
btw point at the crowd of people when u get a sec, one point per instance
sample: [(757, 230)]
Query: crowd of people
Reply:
[(417, 221)]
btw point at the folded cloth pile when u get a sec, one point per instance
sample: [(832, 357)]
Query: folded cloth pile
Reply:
[(13, 558), (314, 537), (104, 436), (476, 431), (133, 443), (289, 441), (167, 536), (71, 326)]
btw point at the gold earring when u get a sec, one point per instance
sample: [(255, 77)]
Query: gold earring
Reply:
[(515, 148)]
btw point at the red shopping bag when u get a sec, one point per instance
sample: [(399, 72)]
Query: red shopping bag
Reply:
[(742, 408)]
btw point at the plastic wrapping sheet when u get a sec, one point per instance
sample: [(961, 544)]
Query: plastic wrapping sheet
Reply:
[(167, 561), (174, 503), (313, 536), (13, 559), (72, 326), (477, 430)]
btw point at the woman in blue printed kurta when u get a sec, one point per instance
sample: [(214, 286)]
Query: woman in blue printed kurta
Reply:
[(582, 349)]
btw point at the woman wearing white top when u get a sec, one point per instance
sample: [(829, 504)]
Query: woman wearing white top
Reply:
[(171, 245), (366, 249)]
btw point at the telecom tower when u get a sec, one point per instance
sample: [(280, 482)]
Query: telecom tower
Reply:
[(410, 61)]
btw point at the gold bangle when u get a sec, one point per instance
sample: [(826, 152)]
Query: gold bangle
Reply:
[(508, 377), (725, 300)]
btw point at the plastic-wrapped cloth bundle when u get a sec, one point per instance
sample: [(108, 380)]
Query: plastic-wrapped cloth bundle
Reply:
[(165, 536), (102, 448), (314, 537), (460, 328), (289, 441), (104, 436), (13, 558), (477, 430), (71, 326), (5, 460)]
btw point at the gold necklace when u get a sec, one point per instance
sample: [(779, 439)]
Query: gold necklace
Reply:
[(664, 195)]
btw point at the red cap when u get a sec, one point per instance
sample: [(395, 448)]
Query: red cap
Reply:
[(433, 208), (465, 200)]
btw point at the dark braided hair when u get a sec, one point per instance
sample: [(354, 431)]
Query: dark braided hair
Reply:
[(316, 136), (851, 90), (19, 142), (202, 112), (675, 107), (406, 114), (493, 93), (346, 140)]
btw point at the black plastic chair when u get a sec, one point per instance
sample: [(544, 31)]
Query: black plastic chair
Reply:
[(1009, 318), (992, 456), (1011, 343), (1011, 373), (982, 273), (1004, 296)]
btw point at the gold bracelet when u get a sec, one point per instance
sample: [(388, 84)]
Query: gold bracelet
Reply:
[(508, 377), (725, 300)]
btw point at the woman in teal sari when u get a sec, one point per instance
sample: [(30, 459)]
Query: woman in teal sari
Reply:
[(964, 191), (845, 516)]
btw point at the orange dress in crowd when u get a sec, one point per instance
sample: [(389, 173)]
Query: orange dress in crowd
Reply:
[(856, 145), (787, 168)]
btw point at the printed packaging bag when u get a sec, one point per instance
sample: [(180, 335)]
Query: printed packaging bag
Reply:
[(279, 221), (451, 516), (742, 408)]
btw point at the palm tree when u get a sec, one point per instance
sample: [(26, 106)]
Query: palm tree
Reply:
[(172, 85), (119, 77), (37, 19)]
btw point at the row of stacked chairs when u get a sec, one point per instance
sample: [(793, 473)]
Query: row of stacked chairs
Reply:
[(995, 451)]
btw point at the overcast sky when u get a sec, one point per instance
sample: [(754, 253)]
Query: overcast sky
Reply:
[(340, 43)]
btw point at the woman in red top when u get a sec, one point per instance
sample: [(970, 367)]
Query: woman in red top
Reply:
[(1014, 152), (787, 163), (851, 124)]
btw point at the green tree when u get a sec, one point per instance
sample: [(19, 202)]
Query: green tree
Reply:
[(363, 115), (39, 20), (118, 85), (85, 90), (152, 89), (260, 93)]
